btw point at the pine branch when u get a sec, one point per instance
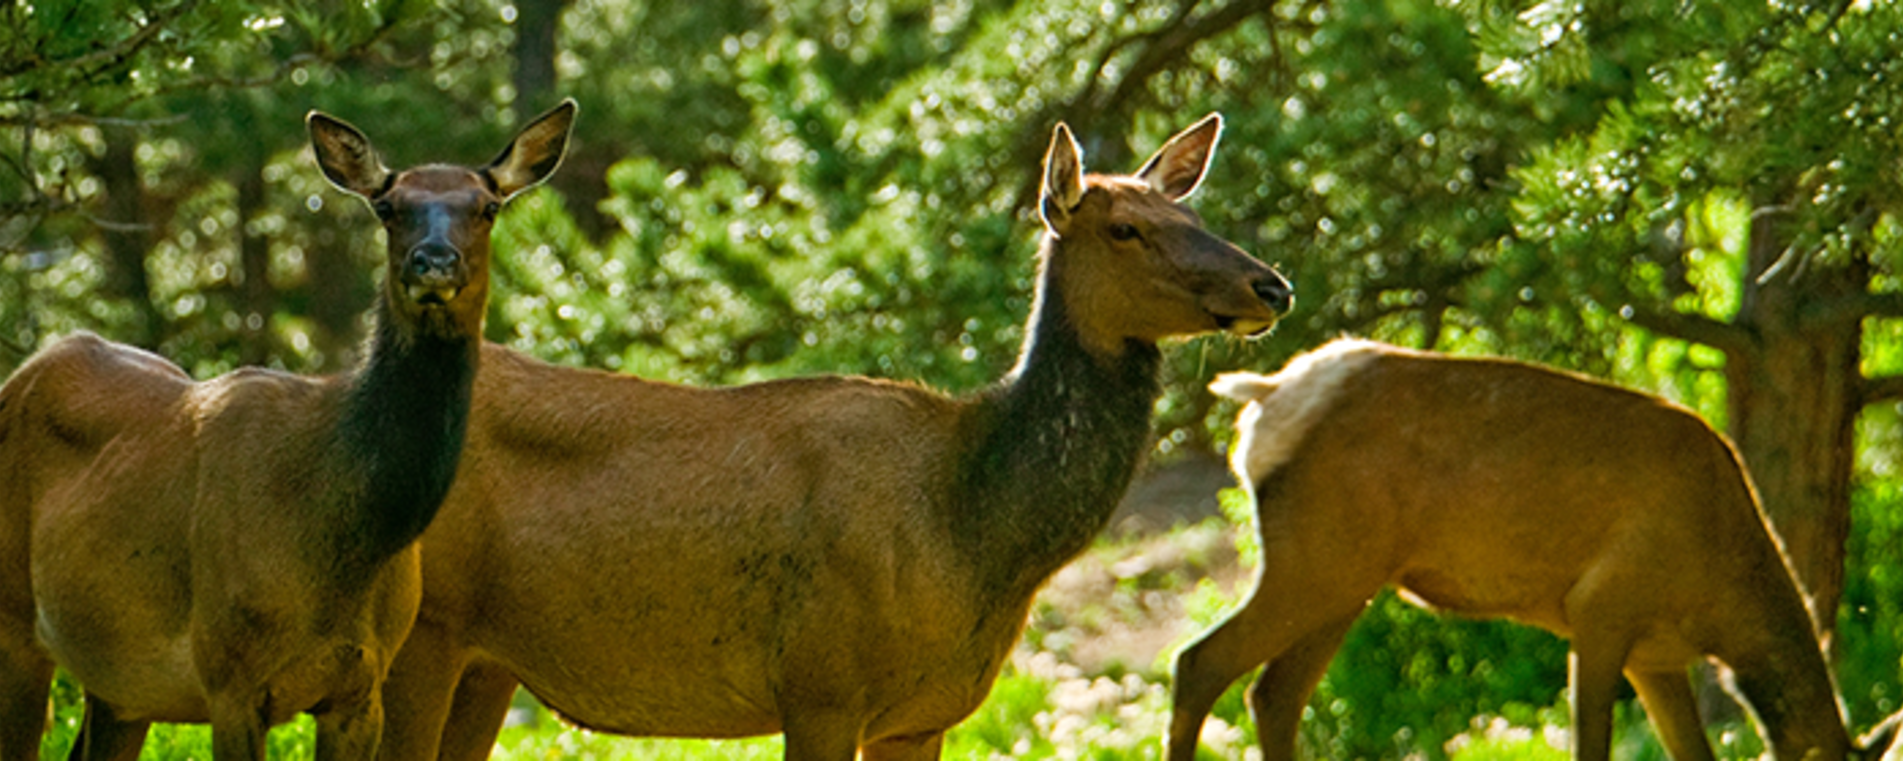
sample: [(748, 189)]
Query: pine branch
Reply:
[(1722, 336), (1883, 388), (1158, 50), (1852, 308)]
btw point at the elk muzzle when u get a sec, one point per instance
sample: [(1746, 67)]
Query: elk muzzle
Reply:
[(1266, 297), (433, 273)]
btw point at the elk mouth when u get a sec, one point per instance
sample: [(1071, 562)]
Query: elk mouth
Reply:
[(433, 295), (1247, 327)]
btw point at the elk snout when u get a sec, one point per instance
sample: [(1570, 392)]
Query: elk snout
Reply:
[(1251, 302), (1275, 291), (433, 272)]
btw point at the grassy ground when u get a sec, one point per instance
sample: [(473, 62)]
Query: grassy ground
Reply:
[(1087, 682)]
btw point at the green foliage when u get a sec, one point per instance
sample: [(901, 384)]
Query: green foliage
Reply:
[(1007, 722), (762, 188), (1406, 680), (1239, 507), (1870, 623)]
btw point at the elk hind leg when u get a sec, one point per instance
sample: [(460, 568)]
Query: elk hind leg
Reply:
[(1673, 709), (1278, 616), (1278, 695)]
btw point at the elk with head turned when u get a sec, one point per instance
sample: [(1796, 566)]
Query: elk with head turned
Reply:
[(1489, 487), (845, 561), (243, 549)]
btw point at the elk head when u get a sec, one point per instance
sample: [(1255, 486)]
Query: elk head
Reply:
[(1138, 264), (437, 217)]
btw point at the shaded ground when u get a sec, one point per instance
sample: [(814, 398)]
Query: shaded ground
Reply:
[(1125, 605), (1176, 494)]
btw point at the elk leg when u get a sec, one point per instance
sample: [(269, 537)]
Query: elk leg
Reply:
[(1595, 668), (477, 712), (351, 731), (1296, 594), (1277, 697), (26, 676), (418, 695), (921, 747), (1670, 704), (104, 737), (238, 727), (1275, 618), (1203, 670), (820, 735)]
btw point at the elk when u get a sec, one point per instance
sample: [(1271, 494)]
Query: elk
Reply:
[(841, 560), (242, 549), (1489, 487)]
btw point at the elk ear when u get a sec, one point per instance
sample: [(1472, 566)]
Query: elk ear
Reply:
[(1177, 168), (1243, 387), (345, 155), (1063, 178), (535, 153)]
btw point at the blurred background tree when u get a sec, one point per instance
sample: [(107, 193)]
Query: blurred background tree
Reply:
[(1696, 198)]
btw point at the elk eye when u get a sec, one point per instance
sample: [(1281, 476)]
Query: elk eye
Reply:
[(384, 209), (1120, 231), (490, 209)]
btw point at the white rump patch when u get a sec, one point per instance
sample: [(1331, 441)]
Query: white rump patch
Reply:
[(1283, 407)]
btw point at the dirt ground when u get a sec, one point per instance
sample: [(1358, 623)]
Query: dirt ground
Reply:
[(1122, 606)]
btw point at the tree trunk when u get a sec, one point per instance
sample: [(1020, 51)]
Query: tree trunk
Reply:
[(339, 291), (255, 296), (1793, 403), (537, 24), (127, 235)]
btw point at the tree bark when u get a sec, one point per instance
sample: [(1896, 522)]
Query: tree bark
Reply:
[(339, 291), (255, 295), (127, 235), (1794, 393), (537, 24)]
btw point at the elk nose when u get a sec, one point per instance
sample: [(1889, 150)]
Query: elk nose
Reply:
[(432, 261), (1275, 291)]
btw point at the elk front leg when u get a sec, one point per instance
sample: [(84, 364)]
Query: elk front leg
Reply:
[(922, 747), (352, 730), (1670, 704), (103, 736), (26, 676), (476, 714), (820, 734), (1594, 667), (238, 727), (418, 695)]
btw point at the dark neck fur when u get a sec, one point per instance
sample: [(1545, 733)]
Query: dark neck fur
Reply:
[(403, 421), (1057, 442)]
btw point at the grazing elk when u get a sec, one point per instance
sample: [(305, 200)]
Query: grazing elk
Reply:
[(842, 560), (1495, 488), (243, 549)]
